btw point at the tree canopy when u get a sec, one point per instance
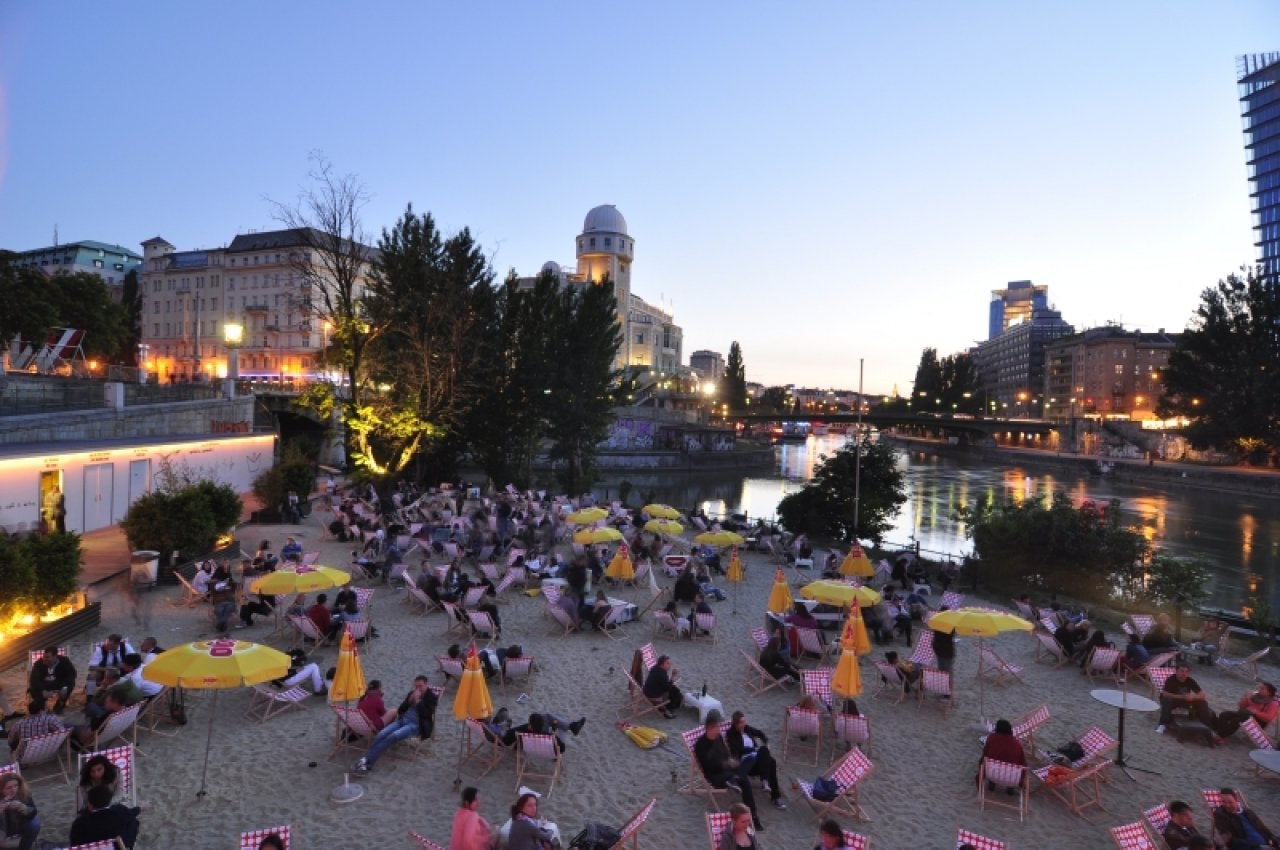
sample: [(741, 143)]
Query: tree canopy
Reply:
[(949, 384), (733, 386), (827, 506), (35, 302)]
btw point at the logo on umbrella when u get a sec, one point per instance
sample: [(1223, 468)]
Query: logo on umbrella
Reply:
[(222, 648)]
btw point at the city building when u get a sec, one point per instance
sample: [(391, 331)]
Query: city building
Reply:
[(708, 364), (1013, 304), (1258, 78), (190, 296), (1105, 371), (109, 262), (651, 340)]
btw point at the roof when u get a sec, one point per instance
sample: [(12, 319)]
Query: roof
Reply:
[(87, 244), (294, 237)]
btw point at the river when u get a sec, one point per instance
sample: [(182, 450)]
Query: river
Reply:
[(1239, 536)]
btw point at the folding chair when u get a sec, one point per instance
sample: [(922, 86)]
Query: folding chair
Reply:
[(759, 679), (517, 670), (1025, 611), (532, 750), (891, 681), (364, 598), (1157, 817), (1003, 775), (265, 702), (361, 632), (490, 571), (250, 840), (995, 668), (42, 750), (1024, 728), (760, 636), (455, 623), (1246, 667), (119, 724), (1103, 662), (416, 596), (452, 668), (922, 655), (425, 843), (309, 558), (123, 757), (563, 624), (482, 626), (811, 646), (353, 732), (156, 713), (802, 731), (978, 842), (1157, 676), (953, 600), (936, 683), (305, 629), (817, 684), (190, 596), (848, 774), (854, 730), (1258, 738), (508, 581), (1047, 646), (1095, 744), (1157, 661), (704, 627), (1133, 836), (1142, 623), (482, 746), (630, 831), (698, 784), (665, 625), (1079, 790), (638, 705), (473, 597)]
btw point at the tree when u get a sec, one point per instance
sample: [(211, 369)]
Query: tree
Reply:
[(1224, 375), (928, 382), (29, 310), (949, 384), (733, 386), (774, 400), (131, 300), (83, 301), (827, 505)]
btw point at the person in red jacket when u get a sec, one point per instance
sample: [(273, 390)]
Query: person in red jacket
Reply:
[(319, 613), (1001, 745)]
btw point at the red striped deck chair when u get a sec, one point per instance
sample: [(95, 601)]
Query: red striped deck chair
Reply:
[(265, 702), (562, 624), (697, 784), (638, 705), (936, 683), (251, 839), (537, 757), (953, 600), (1024, 728), (1133, 836), (852, 730), (361, 631), (761, 637), (508, 581), (1143, 623), (119, 724), (451, 668), (1025, 611), (455, 622), (514, 670), (37, 654), (41, 750), (1096, 744), (801, 732), (978, 842), (759, 679), (1157, 817), (1049, 622), (305, 629), (614, 620), (1213, 800), (1003, 775), (811, 646), (353, 731), (817, 684), (1256, 735), (123, 758), (848, 774), (1047, 647), (665, 625), (483, 627), (1079, 791), (704, 627), (483, 747), (1103, 662), (922, 655), (364, 598), (309, 558), (995, 668), (1157, 676), (1157, 661), (649, 656), (473, 597), (109, 844), (891, 683), (718, 822), (425, 843), (630, 831), (415, 596), (490, 571)]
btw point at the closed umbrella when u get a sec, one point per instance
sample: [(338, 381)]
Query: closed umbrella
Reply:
[(348, 677), (735, 574), (215, 665), (620, 567), (846, 679), (665, 527), (586, 516), (302, 578), (588, 536), (660, 511), (980, 623), (471, 701), (780, 600), (856, 563)]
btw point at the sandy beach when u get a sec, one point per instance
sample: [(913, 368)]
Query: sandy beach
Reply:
[(278, 772)]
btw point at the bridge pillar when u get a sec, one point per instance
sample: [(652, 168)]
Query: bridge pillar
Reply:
[(334, 451)]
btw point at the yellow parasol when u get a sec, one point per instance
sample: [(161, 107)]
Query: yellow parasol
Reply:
[(588, 536), (348, 679), (620, 568), (780, 601), (719, 539), (839, 593), (216, 664), (735, 574), (980, 623), (300, 579), (856, 563), (846, 680), (661, 511), (586, 516), (665, 527), (472, 701)]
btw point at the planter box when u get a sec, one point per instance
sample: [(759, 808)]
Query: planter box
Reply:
[(14, 651)]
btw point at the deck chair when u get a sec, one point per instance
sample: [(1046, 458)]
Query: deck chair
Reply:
[(630, 831), (613, 621), (501, 587), (1142, 623), (251, 839), (1024, 728), (550, 592), (473, 597), (455, 623), (1049, 622), (1133, 836), (848, 773), (761, 637), (697, 783), (1213, 800), (415, 596), (361, 632), (42, 750), (534, 750), (759, 679), (109, 844), (853, 730), (936, 683), (123, 757), (648, 657), (156, 715), (482, 626), (1080, 790), (817, 684), (265, 702), (812, 647), (890, 682), (953, 600), (1103, 662), (119, 724), (563, 624), (1157, 661), (1157, 676), (353, 731), (309, 558), (1246, 667), (638, 705), (1157, 817), (483, 747), (452, 668), (995, 668), (704, 627), (424, 843), (305, 629), (490, 571), (665, 625), (978, 842), (514, 670), (922, 655), (801, 732), (1258, 738), (1025, 611), (1003, 775), (190, 596), (1047, 647), (1096, 745)]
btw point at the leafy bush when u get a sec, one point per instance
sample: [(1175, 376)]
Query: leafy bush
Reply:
[(186, 516), (223, 502), (38, 572), (16, 577), (295, 473)]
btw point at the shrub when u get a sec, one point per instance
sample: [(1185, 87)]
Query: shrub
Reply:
[(55, 560), (295, 473)]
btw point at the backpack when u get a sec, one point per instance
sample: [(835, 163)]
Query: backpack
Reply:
[(595, 836), (824, 789), (1070, 752)]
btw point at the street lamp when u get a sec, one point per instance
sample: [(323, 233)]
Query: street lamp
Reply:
[(233, 338)]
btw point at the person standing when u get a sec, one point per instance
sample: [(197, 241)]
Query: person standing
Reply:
[(470, 830), (944, 647)]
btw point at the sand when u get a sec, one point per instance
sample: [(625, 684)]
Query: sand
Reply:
[(265, 774)]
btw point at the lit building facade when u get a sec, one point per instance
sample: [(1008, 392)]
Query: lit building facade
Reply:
[(1106, 371), (1258, 78), (708, 364), (1012, 364), (109, 262), (1013, 304)]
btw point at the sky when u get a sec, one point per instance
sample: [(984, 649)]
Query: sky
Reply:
[(823, 182)]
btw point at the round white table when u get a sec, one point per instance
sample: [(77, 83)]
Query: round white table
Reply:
[(1124, 701), (1266, 759), (702, 705)]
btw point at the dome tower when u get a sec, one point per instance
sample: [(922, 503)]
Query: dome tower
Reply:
[(605, 248)]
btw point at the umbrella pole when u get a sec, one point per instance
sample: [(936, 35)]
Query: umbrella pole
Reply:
[(982, 689), (735, 598), (208, 745), (462, 742)]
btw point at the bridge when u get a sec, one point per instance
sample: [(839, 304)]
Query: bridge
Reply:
[(986, 425)]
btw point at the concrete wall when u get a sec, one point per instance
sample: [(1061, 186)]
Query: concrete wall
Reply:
[(153, 420)]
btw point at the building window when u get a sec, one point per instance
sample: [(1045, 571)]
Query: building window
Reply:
[(1119, 369), (157, 329), (608, 242), (97, 264), (593, 242), (119, 267), (640, 339)]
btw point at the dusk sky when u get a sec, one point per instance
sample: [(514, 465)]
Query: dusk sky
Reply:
[(819, 181)]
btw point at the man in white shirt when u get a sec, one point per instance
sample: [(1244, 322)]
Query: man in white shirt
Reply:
[(132, 670), (109, 653)]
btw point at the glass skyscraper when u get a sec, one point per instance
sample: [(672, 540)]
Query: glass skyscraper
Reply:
[(1258, 76)]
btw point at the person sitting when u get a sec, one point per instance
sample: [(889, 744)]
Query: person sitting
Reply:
[(291, 551), (1070, 638), (738, 835), (682, 623), (107, 654), (527, 831), (1160, 638), (272, 842), (750, 747), (200, 580), (1181, 828), (1182, 691), (40, 720), (320, 615), (1097, 639), (897, 614), (1259, 703), (1001, 745), (598, 611), (1241, 827), (264, 559), (542, 723), (718, 765), (103, 820), (686, 587), (660, 686), (52, 675), (149, 649), (1135, 655), (302, 672), (131, 669), (801, 618), (372, 706), (470, 830), (944, 647), (99, 771), (19, 818), (415, 716), (774, 662), (908, 671), (830, 835), (917, 606)]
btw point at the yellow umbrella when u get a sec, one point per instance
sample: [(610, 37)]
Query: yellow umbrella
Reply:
[(348, 679), (854, 634), (300, 579), (839, 593), (620, 568), (980, 623), (856, 563), (472, 701), (216, 664), (846, 679), (665, 527), (780, 601), (719, 539), (586, 516), (587, 536), (735, 575), (661, 511)]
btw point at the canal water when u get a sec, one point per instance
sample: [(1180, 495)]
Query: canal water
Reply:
[(1239, 536)]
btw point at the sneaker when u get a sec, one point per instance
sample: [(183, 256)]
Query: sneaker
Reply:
[(779, 803), (1160, 729), (576, 726), (732, 783), (360, 768)]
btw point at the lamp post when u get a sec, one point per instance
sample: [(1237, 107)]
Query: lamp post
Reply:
[(233, 338)]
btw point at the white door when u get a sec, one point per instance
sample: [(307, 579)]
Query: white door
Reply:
[(139, 479), (98, 480)]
